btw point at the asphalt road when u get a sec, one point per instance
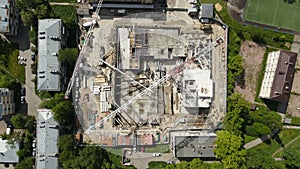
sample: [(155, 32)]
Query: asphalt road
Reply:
[(32, 100)]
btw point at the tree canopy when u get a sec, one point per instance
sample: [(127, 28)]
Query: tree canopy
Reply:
[(230, 149), (31, 10), (237, 113), (27, 163), (68, 55)]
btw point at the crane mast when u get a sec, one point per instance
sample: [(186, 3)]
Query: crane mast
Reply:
[(87, 37), (177, 69)]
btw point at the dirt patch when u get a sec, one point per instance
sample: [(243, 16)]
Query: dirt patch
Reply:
[(218, 7), (253, 55)]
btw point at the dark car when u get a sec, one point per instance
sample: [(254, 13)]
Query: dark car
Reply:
[(33, 56), (23, 91)]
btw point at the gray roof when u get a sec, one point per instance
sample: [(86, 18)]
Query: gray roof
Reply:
[(49, 43), (195, 146), (8, 154), (47, 137), (4, 15), (207, 11)]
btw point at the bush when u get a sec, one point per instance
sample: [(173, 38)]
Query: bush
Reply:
[(32, 36)]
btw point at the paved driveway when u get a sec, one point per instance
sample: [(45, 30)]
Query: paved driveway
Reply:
[(32, 101), (141, 160)]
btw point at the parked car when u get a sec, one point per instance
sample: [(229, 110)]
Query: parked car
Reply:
[(22, 99), (156, 154), (33, 143), (23, 91), (33, 56), (22, 63), (22, 58)]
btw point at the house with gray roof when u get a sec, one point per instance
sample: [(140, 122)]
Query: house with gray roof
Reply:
[(47, 137), (206, 12), (50, 71), (8, 153), (9, 17)]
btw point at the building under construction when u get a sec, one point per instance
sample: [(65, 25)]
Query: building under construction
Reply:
[(137, 81)]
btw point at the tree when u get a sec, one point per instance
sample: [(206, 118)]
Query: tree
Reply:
[(32, 36), (268, 118), (68, 55), (66, 143), (230, 149), (50, 104), (27, 17), (27, 163), (183, 165), (237, 113), (42, 11), (257, 130), (197, 163), (92, 157), (64, 114), (18, 121), (291, 158)]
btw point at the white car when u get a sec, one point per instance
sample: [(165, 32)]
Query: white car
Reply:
[(22, 58), (156, 154), (298, 108)]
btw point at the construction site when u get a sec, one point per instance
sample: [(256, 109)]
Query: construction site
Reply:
[(138, 79)]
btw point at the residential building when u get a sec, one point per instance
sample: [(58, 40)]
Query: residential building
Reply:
[(47, 137), (206, 12), (51, 38), (8, 153), (9, 17), (278, 76), (7, 105)]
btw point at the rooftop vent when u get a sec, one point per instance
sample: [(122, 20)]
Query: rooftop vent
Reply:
[(277, 93)]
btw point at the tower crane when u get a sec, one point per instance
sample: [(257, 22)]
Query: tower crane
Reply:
[(81, 54), (177, 69)]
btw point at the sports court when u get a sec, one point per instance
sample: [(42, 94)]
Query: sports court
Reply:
[(273, 12)]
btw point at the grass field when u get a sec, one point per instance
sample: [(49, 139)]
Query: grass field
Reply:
[(273, 12)]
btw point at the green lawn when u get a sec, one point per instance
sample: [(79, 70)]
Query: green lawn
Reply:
[(284, 137), (273, 12), (248, 32), (294, 145), (295, 120), (157, 165), (159, 148)]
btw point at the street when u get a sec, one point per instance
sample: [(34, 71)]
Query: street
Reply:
[(32, 100)]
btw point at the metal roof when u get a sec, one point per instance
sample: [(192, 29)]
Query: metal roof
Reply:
[(195, 146), (49, 43), (207, 11), (8, 154), (4, 15), (47, 137), (279, 76)]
